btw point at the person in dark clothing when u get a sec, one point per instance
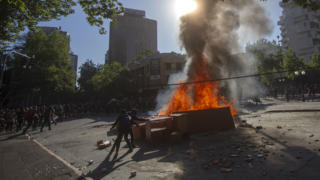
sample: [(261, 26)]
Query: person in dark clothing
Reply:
[(47, 118), (123, 122), (134, 118), (35, 117), (28, 115), (20, 115), (9, 119)]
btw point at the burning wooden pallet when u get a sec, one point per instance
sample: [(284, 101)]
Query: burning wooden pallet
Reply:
[(170, 128)]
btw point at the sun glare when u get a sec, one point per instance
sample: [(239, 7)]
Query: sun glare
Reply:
[(184, 7)]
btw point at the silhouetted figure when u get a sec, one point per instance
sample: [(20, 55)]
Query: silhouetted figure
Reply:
[(20, 114), (47, 118), (123, 122), (28, 117)]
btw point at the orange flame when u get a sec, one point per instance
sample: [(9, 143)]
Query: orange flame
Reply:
[(205, 95)]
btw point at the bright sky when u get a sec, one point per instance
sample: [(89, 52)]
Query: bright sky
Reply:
[(87, 43)]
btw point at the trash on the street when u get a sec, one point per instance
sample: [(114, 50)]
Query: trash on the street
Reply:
[(90, 162), (234, 155), (279, 127), (311, 135), (225, 170), (133, 174), (260, 156), (215, 161), (103, 144)]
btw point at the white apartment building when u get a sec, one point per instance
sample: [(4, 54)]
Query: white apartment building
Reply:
[(300, 30)]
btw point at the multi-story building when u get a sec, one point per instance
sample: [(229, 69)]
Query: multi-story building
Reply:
[(74, 62), (300, 30), (154, 70), (131, 34)]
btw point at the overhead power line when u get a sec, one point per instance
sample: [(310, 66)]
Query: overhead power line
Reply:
[(234, 77)]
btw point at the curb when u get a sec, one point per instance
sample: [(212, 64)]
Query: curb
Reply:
[(75, 170), (294, 110)]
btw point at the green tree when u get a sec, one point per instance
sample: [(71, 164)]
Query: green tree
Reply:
[(292, 63), (49, 74), (311, 4), (112, 80), (16, 15), (315, 62), (87, 71), (269, 58)]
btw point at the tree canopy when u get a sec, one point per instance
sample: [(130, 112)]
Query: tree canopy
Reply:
[(49, 73), (314, 5), (87, 71), (112, 79), (269, 58), (292, 63), (16, 15)]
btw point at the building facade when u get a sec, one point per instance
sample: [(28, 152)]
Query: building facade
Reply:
[(300, 30), (131, 34), (155, 70), (74, 62)]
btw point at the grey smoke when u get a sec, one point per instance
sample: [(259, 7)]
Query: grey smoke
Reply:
[(213, 31)]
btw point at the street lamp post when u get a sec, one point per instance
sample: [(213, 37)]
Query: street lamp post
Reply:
[(300, 75), (5, 61)]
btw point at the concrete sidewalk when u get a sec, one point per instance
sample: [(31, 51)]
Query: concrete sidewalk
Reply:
[(21, 158)]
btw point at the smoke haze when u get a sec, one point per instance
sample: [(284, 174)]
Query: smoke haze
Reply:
[(213, 30)]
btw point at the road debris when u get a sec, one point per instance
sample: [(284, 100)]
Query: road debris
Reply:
[(90, 162), (234, 155), (133, 174), (260, 155), (225, 170), (103, 144)]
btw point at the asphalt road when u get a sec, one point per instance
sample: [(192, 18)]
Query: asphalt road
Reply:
[(280, 140), (22, 159)]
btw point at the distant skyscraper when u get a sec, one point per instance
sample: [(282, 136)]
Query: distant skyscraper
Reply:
[(300, 30), (74, 62), (49, 30), (130, 35)]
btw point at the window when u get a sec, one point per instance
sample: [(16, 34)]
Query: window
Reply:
[(168, 66), (155, 67)]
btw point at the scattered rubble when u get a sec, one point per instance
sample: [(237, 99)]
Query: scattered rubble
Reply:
[(103, 144), (225, 170), (133, 174), (90, 162)]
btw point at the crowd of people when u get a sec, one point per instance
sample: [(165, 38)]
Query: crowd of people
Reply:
[(36, 117), (32, 117)]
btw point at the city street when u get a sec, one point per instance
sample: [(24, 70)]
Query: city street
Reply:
[(210, 89), (21, 158), (277, 140)]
